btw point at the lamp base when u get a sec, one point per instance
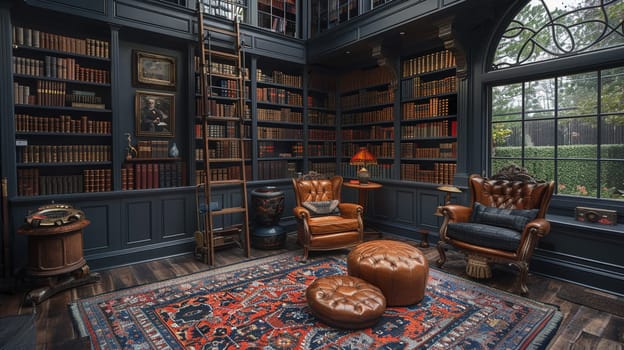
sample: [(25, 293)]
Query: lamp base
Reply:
[(363, 176)]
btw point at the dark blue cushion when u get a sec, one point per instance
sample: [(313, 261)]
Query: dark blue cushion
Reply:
[(515, 219), (484, 235), (322, 208)]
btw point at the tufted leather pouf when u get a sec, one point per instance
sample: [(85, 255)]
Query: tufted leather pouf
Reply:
[(345, 302), (397, 268)]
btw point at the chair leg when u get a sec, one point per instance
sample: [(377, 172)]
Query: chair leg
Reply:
[(305, 253), (441, 254), (523, 272)]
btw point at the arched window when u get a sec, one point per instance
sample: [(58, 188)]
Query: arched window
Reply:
[(564, 126), (548, 29)]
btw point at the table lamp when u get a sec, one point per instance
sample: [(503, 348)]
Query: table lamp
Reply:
[(447, 198), (363, 158)]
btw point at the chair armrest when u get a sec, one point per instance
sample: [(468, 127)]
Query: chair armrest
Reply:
[(350, 210), (301, 212), (457, 213), (538, 226)]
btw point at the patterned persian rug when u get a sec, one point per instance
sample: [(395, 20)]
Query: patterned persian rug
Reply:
[(260, 304)]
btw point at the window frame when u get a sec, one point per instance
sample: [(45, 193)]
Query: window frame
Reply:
[(579, 63)]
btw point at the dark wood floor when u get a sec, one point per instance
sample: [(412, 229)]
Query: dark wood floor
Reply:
[(582, 327)]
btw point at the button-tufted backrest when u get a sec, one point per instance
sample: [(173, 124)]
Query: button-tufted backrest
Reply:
[(511, 194), (317, 190)]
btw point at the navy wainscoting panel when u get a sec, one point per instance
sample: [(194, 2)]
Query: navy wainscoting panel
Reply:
[(427, 204), (282, 48), (153, 17), (405, 205), (95, 6), (97, 236), (173, 217), (139, 221)]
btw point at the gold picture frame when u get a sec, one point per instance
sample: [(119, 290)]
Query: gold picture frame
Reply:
[(154, 114), (154, 70)]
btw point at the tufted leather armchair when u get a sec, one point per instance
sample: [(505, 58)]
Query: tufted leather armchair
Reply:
[(340, 229), (503, 223)]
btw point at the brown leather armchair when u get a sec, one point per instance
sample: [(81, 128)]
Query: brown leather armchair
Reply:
[(323, 222), (503, 223)]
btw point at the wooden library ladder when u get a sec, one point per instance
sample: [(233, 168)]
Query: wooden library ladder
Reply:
[(222, 79)]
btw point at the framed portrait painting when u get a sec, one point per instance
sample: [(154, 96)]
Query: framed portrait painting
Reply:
[(154, 70), (154, 114)]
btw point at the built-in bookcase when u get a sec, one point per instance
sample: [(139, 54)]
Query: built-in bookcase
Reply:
[(222, 130), (321, 123), (62, 101), (429, 118), (279, 117), (367, 99)]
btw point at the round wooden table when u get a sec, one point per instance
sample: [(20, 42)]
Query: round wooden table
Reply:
[(54, 251), (363, 197)]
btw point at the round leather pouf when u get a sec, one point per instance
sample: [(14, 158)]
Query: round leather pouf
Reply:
[(345, 302), (397, 268)]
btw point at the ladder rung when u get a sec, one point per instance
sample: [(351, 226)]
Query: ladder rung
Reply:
[(223, 138), (226, 160), (214, 118), (225, 182), (223, 75), (221, 30), (226, 211), (222, 54)]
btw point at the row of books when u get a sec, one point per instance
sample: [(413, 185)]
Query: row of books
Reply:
[(381, 115), (53, 93), (229, 129), (276, 169), (153, 149), (136, 176), (59, 68), (39, 39), (61, 124), (366, 98), (199, 152), (219, 68), (379, 171), (63, 154), (30, 183), (326, 168), (266, 132), (442, 128), (322, 82), (224, 149), (321, 118), (442, 173), (322, 150), (288, 151), (278, 77), (374, 132), (435, 107), (429, 63), (326, 101), (222, 174), (280, 115), (358, 79), (383, 149), (216, 108), (321, 134), (415, 88), (97, 180), (444, 150), (278, 95), (225, 88)]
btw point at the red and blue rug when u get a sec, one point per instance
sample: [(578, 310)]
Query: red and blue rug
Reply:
[(261, 304)]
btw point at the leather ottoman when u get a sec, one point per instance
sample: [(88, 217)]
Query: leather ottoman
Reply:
[(397, 268), (345, 302)]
